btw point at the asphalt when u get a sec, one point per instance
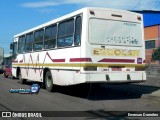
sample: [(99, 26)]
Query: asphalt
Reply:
[(154, 81), (78, 98)]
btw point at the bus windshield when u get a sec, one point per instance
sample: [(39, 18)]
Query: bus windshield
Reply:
[(112, 32), (14, 48)]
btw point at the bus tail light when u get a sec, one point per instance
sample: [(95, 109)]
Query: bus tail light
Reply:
[(90, 68)]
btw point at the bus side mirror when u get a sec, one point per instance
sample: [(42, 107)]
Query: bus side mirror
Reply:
[(11, 46)]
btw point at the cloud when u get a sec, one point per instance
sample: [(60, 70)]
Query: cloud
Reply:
[(39, 4), (118, 4), (149, 5)]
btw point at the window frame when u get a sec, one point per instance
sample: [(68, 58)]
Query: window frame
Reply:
[(52, 38), (43, 40), (15, 46), (65, 35), (21, 44), (30, 43), (38, 41), (148, 42), (78, 16)]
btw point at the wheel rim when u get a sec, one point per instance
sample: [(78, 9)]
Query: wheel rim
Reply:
[(20, 77), (49, 80)]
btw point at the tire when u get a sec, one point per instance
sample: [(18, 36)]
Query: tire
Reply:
[(5, 75), (21, 80), (12, 77), (48, 81)]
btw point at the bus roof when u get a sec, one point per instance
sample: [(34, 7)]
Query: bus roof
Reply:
[(68, 16)]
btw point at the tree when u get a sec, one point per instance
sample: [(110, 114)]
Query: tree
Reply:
[(156, 54)]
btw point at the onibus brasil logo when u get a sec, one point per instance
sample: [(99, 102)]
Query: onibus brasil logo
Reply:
[(34, 89)]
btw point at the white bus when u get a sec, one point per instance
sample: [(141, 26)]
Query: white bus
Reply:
[(91, 45)]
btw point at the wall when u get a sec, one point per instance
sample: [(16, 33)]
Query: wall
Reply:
[(151, 33)]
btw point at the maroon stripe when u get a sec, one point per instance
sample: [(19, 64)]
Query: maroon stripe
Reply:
[(49, 55), (117, 60), (14, 61), (31, 58), (55, 60), (21, 61), (80, 60), (58, 60)]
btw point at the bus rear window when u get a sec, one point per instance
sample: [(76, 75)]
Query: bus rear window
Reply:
[(111, 32)]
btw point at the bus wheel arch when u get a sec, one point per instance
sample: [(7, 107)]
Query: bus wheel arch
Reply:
[(47, 80), (19, 75)]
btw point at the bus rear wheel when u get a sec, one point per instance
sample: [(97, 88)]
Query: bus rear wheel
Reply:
[(49, 81)]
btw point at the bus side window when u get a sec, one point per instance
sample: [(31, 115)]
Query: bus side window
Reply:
[(65, 33), (21, 44), (50, 37), (69, 32), (77, 36), (29, 42), (38, 40)]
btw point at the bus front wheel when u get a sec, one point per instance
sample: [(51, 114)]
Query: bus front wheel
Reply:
[(49, 81), (21, 80), (5, 74)]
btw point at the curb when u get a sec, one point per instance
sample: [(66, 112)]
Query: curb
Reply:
[(153, 75), (153, 96)]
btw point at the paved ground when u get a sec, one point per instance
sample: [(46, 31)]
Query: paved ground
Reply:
[(95, 101), (148, 88)]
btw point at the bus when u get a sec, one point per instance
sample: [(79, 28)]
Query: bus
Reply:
[(90, 45)]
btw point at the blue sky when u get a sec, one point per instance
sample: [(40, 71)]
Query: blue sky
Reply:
[(19, 15)]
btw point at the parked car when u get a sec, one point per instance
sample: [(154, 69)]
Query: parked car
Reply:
[(1, 71), (7, 71)]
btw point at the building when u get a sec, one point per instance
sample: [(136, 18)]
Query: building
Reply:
[(7, 59), (151, 32), (152, 41)]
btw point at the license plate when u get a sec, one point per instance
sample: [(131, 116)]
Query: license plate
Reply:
[(116, 69)]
